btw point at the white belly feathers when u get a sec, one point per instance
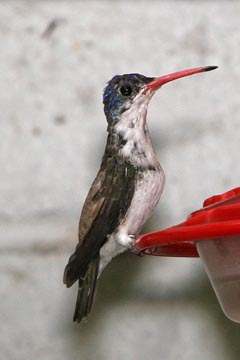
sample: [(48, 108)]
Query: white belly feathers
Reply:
[(146, 197)]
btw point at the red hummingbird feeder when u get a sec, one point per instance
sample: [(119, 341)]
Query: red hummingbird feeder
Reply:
[(213, 234)]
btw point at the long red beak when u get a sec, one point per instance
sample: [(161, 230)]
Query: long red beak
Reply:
[(159, 81)]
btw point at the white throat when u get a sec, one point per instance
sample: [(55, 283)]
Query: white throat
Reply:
[(133, 128)]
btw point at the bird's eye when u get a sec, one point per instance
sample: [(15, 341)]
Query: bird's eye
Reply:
[(126, 90)]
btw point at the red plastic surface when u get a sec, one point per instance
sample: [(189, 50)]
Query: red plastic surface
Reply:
[(219, 218)]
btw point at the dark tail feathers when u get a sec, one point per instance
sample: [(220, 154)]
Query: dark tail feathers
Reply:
[(87, 285), (86, 291)]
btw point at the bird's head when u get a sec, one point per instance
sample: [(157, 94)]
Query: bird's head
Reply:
[(128, 95)]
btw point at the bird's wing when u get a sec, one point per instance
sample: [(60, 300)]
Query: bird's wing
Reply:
[(106, 205)]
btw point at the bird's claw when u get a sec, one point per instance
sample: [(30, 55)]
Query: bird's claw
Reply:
[(132, 248)]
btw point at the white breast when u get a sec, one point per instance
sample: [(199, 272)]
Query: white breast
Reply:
[(146, 197)]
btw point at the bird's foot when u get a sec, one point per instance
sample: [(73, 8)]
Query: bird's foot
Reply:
[(133, 238), (127, 241), (132, 248)]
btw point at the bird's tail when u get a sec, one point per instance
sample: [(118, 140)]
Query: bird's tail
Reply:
[(87, 285)]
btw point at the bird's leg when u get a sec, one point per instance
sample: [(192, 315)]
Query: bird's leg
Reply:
[(124, 239), (133, 238), (127, 240)]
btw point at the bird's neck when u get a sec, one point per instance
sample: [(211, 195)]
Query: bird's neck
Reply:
[(129, 138)]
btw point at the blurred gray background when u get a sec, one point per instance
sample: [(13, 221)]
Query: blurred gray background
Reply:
[(55, 59)]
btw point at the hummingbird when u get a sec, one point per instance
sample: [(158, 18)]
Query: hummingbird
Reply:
[(128, 185)]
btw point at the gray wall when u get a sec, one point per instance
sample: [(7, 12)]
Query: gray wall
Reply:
[(55, 59)]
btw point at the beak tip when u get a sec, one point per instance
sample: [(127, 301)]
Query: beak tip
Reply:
[(210, 68)]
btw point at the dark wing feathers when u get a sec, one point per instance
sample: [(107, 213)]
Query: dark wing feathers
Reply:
[(106, 205)]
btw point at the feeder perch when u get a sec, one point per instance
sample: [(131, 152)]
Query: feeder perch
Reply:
[(213, 234)]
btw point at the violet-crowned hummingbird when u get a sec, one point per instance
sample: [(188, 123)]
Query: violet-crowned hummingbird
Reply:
[(128, 185)]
